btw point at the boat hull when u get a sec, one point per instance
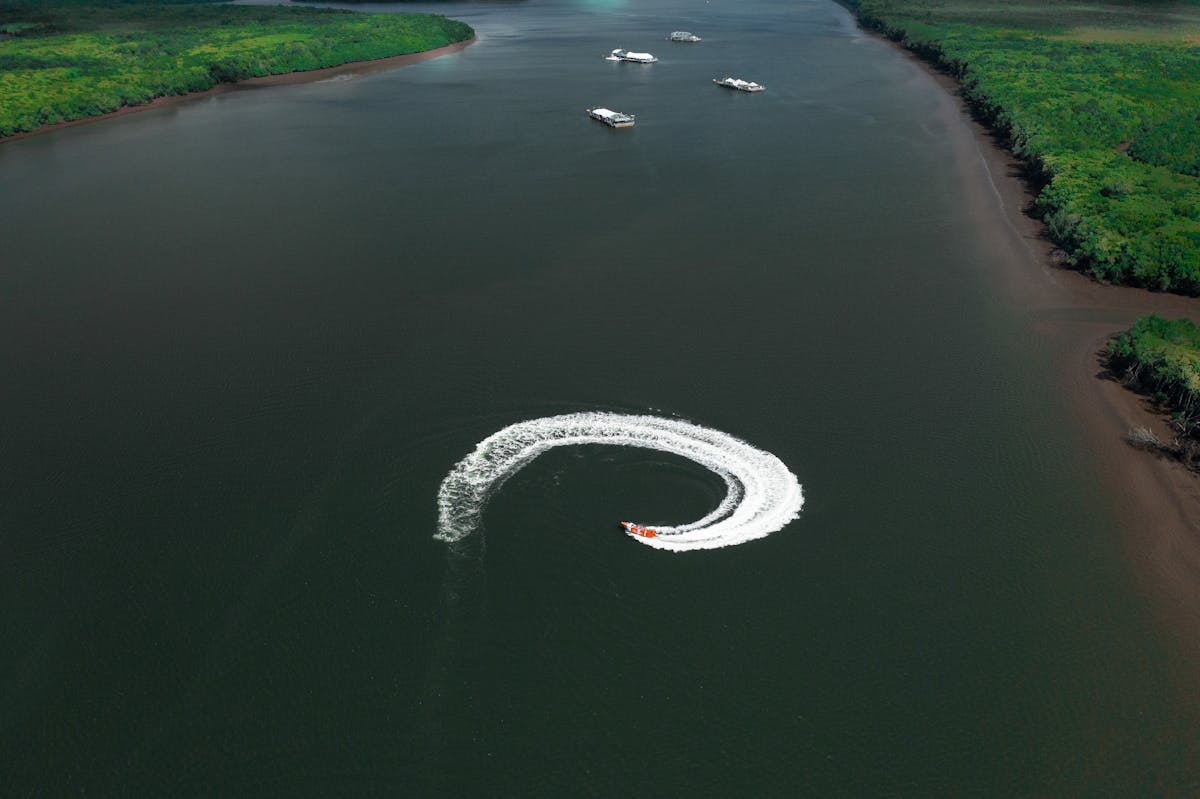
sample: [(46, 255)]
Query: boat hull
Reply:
[(744, 86), (620, 121), (633, 58)]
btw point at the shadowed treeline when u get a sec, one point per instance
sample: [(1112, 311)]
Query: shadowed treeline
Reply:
[(1161, 358), (67, 60)]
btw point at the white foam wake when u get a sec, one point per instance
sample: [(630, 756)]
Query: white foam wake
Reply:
[(762, 495)]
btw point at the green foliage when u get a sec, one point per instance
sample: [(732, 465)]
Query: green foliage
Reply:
[(82, 60), (1074, 86), (1174, 144), (1163, 357)]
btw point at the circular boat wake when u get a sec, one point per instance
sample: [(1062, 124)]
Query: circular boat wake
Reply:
[(762, 494)]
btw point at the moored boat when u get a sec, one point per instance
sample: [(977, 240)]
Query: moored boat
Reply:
[(739, 84), (683, 36), (624, 55), (614, 119)]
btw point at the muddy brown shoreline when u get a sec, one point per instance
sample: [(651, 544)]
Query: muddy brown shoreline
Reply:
[(282, 79), (1155, 500)]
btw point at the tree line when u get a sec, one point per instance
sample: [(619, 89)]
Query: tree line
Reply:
[(67, 60), (1102, 104)]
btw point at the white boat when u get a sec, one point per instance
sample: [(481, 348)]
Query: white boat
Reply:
[(625, 55), (683, 36), (614, 119), (739, 84)]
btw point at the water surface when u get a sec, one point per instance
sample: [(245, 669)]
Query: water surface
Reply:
[(245, 338)]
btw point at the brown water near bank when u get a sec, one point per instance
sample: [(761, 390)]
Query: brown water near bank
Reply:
[(1156, 500), (349, 69)]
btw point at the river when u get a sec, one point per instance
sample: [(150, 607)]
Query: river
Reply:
[(246, 338)]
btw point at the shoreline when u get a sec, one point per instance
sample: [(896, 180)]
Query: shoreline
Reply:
[(1154, 500), (281, 79)]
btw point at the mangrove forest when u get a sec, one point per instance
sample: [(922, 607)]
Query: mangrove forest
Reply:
[(1161, 357), (62, 60), (1103, 104)]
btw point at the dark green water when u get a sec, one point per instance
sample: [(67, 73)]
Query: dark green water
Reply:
[(245, 338)]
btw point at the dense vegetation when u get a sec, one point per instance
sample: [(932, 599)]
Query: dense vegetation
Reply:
[(70, 59), (1162, 357), (1174, 144), (1101, 100)]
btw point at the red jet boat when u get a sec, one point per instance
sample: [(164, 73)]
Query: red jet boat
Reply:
[(637, 529)]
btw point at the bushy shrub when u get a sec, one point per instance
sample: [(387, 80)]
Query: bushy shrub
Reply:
[(1174, 144)]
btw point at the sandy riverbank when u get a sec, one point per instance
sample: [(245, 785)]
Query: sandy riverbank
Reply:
[(308, 76), (1155, 500)]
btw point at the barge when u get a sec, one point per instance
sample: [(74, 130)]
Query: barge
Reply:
[(739, 84), (625, 55), (614, 119)]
